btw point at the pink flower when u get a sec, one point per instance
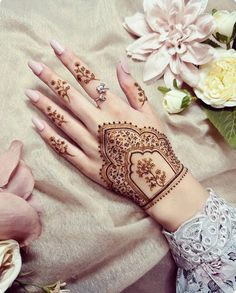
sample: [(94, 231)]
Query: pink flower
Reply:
[(169, 35), (19, 214)]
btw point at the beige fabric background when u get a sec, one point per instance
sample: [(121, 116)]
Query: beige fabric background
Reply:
[(101, 242)]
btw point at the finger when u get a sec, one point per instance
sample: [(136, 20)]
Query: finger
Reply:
[(71, 98), (84, 75), (133, 91), (63, 120), (65, 149)]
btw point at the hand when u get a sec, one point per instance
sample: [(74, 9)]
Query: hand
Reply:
[(134, 161)]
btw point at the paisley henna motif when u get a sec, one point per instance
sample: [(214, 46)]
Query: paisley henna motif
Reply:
[(138, 163), (83, 74), (61, 87), (59, 146), (55, 117), (142, 97)]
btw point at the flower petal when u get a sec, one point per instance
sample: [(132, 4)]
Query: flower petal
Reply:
[(10, 249), (137, 25), (9, 161), (156, 65), (189, 73), (22, 181), (144, 45), (202, 28), (169, 77), (191, 11), (18, 221), (198, 54), (155, 12)]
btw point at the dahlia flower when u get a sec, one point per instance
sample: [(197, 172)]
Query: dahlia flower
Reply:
[(169, 34)]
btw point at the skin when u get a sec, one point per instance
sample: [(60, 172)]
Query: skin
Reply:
[(82, 128)]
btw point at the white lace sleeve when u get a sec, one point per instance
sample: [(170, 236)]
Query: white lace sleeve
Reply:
[(204, 249)]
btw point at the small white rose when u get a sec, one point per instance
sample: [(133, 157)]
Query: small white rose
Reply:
[(176, 101), (10, 263), (225, 21)]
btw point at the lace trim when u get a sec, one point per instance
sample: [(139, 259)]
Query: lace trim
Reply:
[(204, 237)]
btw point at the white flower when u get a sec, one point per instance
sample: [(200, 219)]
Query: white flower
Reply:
[(217, 85), (225, 21), (10, 263), (176, 101)]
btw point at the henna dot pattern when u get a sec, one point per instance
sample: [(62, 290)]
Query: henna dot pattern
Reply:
[(138, 163)]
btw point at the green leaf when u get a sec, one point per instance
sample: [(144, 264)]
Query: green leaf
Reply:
[(233, 33), (186, 101), (211, 43), (175, 84), (221, 38), (163, 89), (225, 121), (214, 11)]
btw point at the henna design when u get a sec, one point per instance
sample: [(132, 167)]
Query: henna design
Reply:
[(142, 97), (56, 117), (59, 146), (144, 167), (83, 74), (128, 155), (61, 87)]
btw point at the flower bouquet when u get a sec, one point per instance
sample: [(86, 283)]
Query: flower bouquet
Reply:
[(189, 48)]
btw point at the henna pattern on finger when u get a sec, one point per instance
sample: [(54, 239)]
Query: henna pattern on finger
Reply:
[(83, 74), (138, 163), (59, 146), (61, 87), (57, 118), (142, 97)]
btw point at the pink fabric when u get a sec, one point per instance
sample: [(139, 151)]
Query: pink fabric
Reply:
[(169, 33), (19, 219)]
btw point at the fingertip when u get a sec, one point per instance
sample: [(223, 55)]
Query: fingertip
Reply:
[(38, 123), (57, 47)]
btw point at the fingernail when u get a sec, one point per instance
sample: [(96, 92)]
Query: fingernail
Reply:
[(58, 48), (38, 124), (124, 65), (32, 95), (36, 67)]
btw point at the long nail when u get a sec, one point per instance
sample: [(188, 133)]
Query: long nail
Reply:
[(57, 47), (38, 124), (36, 67), (32, 95), (124, 65)]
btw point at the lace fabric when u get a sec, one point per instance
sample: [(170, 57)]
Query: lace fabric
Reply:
[(204, 248)]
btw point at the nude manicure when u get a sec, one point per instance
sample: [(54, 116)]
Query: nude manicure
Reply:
[(124, 65), (36, 67), (32, 95), (57, 47), (38, 124)]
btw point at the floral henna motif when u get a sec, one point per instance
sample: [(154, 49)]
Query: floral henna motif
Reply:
[(55, 117), (83, 74), (61, 88), (145, 167), (142, 97), (59, 146), (129, 153)]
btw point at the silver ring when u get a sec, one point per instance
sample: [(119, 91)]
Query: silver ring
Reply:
[(101, 89)]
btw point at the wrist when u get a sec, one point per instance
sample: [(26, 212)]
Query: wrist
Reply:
[(183, 202)]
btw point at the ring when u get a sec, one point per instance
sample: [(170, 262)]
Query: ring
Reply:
[(101, 89)]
